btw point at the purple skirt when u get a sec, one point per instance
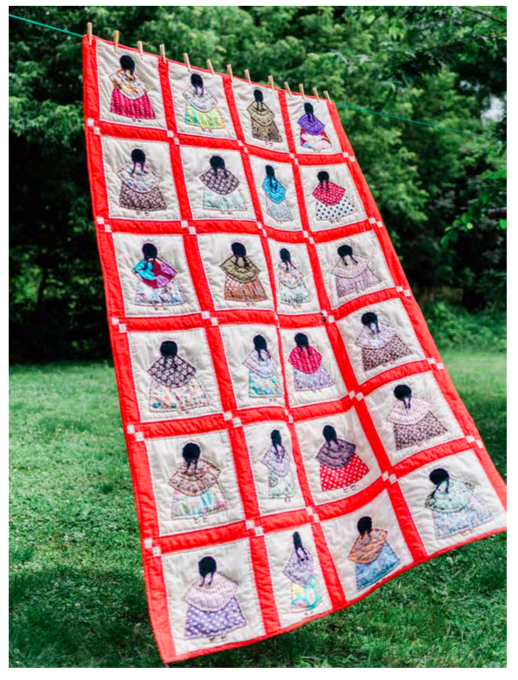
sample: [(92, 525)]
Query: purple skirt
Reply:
[(312, 381), (200, 623)]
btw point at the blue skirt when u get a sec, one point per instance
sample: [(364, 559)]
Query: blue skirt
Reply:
[(366, 574)]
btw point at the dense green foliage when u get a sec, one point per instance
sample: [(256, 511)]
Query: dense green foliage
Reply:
[(441, 194), (77, 592)]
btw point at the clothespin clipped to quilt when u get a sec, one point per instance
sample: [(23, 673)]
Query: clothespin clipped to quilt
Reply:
[(162, 52), (186, 60), (287, 88), (140, 47), (315, 92), (301, 89), (229, 71), (326, 95), (116, 40), (89, 31), (210, 67), (247, 76), (270, 82)]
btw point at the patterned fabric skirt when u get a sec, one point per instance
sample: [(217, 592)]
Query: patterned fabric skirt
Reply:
[(159, 297), (394, 349), (343, 477), (208, 502), (200, 623), (266, 133), (307, 597), (251, 291), (410, 435), (223, 202), (334, 212), (209, 120), (472, 515), (280, 487), (365, 280), (318, 380), (385, 562), (148, 202), (131, 108), (279, 211), (184, 398), (293, 296), (316, 142), (259, 386)]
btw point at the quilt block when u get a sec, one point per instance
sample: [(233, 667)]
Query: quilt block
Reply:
[(293, 436)]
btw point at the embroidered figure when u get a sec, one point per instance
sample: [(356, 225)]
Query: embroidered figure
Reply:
[(213, 609), (353, 274), (340, 465), (308, 371), (301, 572), (413, 420), (275, 195), (292, 289), (372, 554), (263, 380), (130, 94), (174, 385), (454, 506), (221, 188), (157, 285), (201, 109), (195, 483), (379, 342), (312, 130), (242, 281), (263, 120), (332, 202), (277, 460), (140, 187)]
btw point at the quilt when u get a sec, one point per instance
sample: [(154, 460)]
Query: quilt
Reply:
[(294, 438)]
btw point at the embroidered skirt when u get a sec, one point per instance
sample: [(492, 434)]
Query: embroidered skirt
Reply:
[(279, 211), (280, 487), (224, 202), (259, 386), (330, 478), (184, 398), (251, 291), (131, 108), (385, 562), (151, 201), (305, 597), (358, 284), (318, 380), (266, 133), (471, 515), (207, 503), (209, 120), (200, 623), (293, 296), (394, 349), (159, 297), (334, 212), (410, 435)]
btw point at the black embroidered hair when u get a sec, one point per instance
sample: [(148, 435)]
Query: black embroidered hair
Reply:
[(437, 477), (323, 177), (302, 342), (300, 550), (139, 158), (308, 108), (286, 258), (217, 163), (276, 438), (259, 98), (346, 251), (207, 565), (260, 346), (150, 252), (369, 319), (239, 251), (329, 433), (197, 83), (364, 526), (191, 455), (270, 174), (169, 349), (127, 63), (403, 392)]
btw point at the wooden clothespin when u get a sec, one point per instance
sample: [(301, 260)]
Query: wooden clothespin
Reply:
[(116, 40), (89, 32), (247, 76), (287, 88), (162, 52), (270, 82), (211, 68), (186, 60), (140, 47), (326, 94), (315, 92), (301, 89), (229, 70)]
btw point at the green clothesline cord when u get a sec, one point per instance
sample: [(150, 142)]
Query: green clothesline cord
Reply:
[(345, 106)]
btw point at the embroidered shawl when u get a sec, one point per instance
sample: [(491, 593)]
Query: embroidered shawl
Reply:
[(307, 359), (211, 596), (202, 102), (172, 372), (277, 460), (195, 481), (137, 180), (221, 181), (367, 548), (155, 274), (401, 415), (376, 339), (299, 568), (349, 269), (290, 277), (329, 193), (129, 85), (450, 497), (274, 190), (238, 271), (336, 456), (311, 124), (261, 114), (266, 367)]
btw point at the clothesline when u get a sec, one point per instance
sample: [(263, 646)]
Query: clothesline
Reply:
[(339, 104)]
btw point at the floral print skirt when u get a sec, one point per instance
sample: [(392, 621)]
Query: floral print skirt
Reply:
[(251, 291), (305, 597), (151, 201), (385, 562), (417, 433), (471, 515), (279, 211), (207, 503), (223, 202), (165, 296), (394, 349), (280, 487), (259, 386), (293, 296), (184, 398), (358, 284), (318, 380)]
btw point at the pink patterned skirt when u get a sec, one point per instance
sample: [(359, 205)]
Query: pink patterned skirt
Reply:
[(331, 478), (131, 108)]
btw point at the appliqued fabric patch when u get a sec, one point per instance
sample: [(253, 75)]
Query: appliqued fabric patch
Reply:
[(293, 436)]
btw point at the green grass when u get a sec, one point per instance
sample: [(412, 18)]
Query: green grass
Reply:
[(77, 591)]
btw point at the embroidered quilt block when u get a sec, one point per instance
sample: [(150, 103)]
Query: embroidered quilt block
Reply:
[(293, 436)]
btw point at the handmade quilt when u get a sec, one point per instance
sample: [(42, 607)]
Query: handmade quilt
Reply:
[(293, 436)]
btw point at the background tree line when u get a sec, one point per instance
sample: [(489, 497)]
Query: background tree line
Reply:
[(441, 194)]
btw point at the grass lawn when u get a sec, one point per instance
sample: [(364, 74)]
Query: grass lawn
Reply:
[(77, 591)]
